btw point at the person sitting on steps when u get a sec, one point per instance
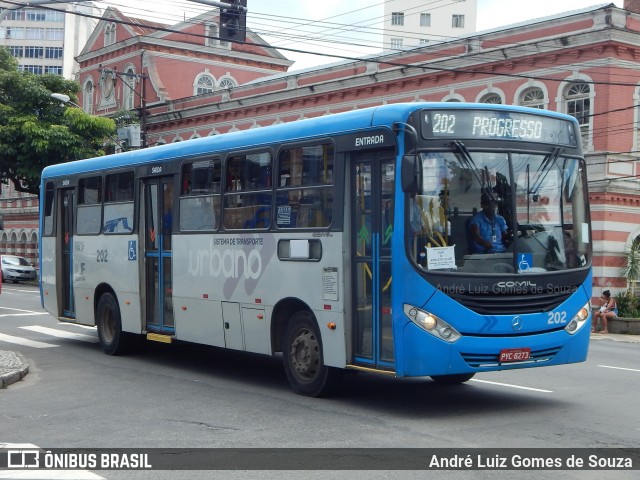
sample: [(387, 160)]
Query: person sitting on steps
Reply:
[(607, 311)]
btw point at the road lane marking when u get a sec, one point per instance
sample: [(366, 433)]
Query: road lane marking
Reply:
[(22, 310), (512, 386), (60, 334), (21, 313), (23, 341), (75, 325), (620, 368)]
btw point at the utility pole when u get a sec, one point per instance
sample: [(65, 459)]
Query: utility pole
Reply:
[(233, 18), (143, 103)]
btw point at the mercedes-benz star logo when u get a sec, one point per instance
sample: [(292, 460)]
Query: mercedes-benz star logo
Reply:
[(516, 323)]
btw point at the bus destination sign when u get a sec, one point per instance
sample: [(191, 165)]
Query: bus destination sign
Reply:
[(497, 125)]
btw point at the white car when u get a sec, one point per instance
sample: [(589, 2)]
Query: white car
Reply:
[(17, 269)]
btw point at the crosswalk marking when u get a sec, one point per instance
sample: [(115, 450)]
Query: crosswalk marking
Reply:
[(61, 334), (24, 341)]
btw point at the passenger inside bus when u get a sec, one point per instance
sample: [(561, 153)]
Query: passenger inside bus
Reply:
[(488, 229), (417, 224)]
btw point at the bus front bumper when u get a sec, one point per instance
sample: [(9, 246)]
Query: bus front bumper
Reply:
[(424, 355)]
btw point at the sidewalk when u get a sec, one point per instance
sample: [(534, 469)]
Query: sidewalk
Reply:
[(14, 367), (616, 337)]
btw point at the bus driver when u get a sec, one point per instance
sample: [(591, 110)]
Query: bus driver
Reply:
[(488, 228)]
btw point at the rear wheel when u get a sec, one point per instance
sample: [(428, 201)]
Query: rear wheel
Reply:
[(452, 379), (113, 340), (303, 358)]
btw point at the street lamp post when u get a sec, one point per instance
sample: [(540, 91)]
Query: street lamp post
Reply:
[(64, 98)]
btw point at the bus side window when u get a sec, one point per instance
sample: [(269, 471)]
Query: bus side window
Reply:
[(48, 210), (200, 195), (305, 189), (118, 205), (89, 209), (248, 195)]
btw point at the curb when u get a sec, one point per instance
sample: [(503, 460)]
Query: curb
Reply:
[(13, 368)]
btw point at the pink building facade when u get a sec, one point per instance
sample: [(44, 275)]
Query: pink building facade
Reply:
[(184, 84)]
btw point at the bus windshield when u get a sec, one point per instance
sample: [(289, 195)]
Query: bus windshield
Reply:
[(499, 212)]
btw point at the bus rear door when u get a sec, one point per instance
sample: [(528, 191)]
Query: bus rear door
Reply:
[(157, 277), (64, 275)]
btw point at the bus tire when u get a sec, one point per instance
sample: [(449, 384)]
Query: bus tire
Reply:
[(113, 341), (452, 379), (303, 359)]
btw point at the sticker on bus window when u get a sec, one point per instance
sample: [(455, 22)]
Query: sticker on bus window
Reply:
[(441, 257)]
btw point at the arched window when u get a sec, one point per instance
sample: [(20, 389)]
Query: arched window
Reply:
[(204, 84), (492, 98), (226, 83), (533, 98), (87, 97), (110, 34), (212, 37), (578, 103), (129, 86)]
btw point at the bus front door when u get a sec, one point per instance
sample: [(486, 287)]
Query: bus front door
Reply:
[(371, 194), (64, 274), (157, 278)]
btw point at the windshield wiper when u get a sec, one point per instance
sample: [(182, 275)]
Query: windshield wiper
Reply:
[(466, 159), (548, 160)]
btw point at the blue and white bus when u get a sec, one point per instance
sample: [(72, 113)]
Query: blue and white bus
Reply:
[(340, 242)]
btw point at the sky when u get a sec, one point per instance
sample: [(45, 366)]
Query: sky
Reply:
[(295, 25)]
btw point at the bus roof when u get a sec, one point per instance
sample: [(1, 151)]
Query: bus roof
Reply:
[(339, 123)]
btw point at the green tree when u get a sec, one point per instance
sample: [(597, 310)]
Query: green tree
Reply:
[(37, 130), (631, 271)]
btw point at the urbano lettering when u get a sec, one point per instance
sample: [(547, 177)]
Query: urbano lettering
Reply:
[(227, 263)]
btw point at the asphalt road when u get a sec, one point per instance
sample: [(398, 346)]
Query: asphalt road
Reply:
[(188, 396)]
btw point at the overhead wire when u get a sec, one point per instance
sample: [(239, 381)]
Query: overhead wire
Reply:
[(342, 40), (433, 66)]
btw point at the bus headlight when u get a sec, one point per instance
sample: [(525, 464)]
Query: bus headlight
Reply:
[(431, 324), (578, 320)]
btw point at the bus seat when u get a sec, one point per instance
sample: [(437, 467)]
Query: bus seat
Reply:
[(261, 217)]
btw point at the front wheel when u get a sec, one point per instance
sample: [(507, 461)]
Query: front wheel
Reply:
[(303, 360), (113, 340), (452, 379)]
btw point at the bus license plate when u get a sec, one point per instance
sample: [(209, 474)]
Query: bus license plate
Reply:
[(514, 354)]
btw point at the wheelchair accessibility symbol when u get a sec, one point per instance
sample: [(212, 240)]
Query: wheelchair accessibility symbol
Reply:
[(525, 261), (133, 251)]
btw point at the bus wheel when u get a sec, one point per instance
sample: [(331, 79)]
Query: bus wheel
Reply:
[(302, 357), (452, 379), (113, 340)]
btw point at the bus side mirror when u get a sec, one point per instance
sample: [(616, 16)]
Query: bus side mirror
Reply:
[(410, 174)]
